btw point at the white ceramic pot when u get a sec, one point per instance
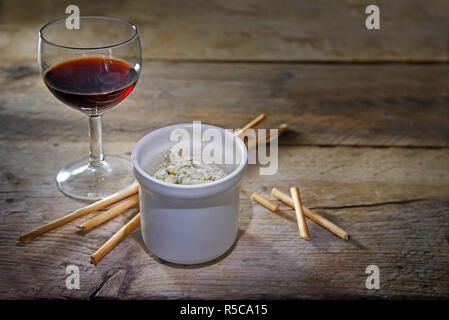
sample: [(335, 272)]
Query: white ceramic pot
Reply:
[(187, 224)]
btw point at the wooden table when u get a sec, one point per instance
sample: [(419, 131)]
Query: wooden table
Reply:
[(368, 113)]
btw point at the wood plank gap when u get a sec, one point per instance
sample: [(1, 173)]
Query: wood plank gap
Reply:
[(363, 146), (369, 205), (308, 61)]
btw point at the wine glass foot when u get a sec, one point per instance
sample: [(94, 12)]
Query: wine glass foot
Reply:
[(80, 181)]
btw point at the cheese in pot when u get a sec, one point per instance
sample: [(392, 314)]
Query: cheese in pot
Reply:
[(181, 170)]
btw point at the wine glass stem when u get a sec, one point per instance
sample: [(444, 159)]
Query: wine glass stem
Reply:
[(96, 156)]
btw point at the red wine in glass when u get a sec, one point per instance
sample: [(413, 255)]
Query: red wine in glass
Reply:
[(91, 84), (91, 69)]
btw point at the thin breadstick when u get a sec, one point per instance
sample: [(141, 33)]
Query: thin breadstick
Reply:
[(122, 194), (115, 239), (252, 124), (302, 224), (267, 138), (109, 214), (275, 193), (270, 205)]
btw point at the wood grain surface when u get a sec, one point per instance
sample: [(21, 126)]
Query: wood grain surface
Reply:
[(267, 30), (393, 203), (356, 105), (367, 145)]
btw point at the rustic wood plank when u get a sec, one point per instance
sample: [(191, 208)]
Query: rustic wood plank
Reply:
[(328, 177), (393, 202), (269, 260), (314, 30), (357, 105)]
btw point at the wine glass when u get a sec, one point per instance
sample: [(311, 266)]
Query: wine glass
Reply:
[(91, 69)]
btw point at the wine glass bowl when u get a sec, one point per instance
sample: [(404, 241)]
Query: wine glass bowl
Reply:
[(91, 69)]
